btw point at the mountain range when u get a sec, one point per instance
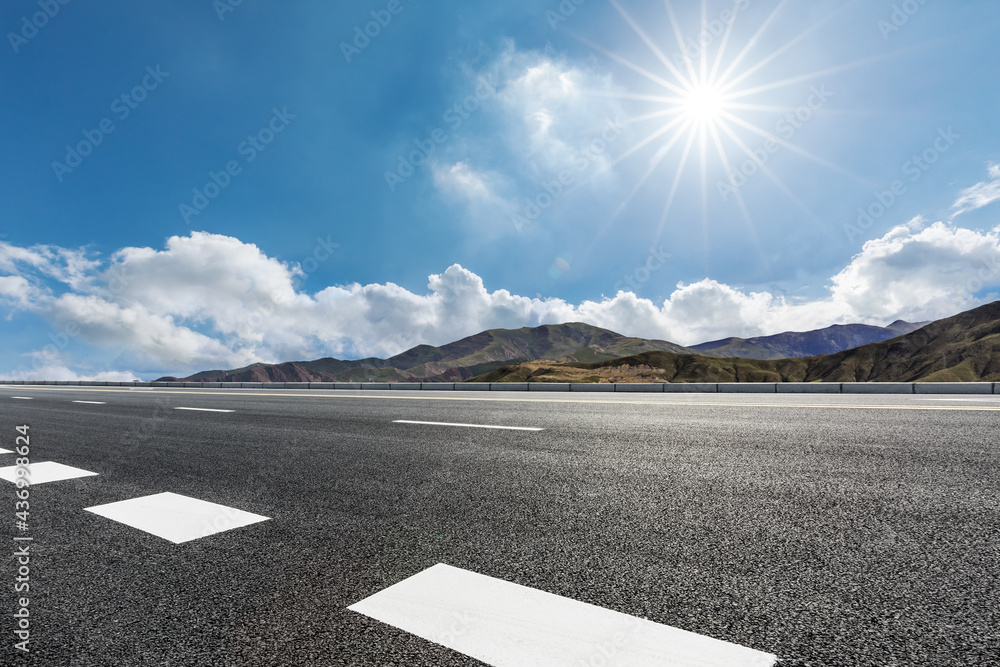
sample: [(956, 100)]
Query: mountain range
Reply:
[(574, 343), (963, 348), (830, 340), (456, 361)]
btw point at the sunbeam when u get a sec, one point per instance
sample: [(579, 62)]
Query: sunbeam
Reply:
[(731, 83), (673, 188), (778, 183), (646, 39), (709, 105), (627, 63), (751, 229), (792, 147), (752, 42)]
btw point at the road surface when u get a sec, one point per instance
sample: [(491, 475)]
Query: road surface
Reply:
[(826, 530)]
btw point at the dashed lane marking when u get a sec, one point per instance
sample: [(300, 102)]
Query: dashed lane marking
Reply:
[(506, 428), (405, 396), (176, 518), (45, 471), (508, 625)]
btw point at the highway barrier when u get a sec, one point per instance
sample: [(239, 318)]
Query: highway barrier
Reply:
[(649, 387)]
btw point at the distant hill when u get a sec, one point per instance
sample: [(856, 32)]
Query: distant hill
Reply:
[(963, 348), (463, 359), (830, 340), (578, 343)]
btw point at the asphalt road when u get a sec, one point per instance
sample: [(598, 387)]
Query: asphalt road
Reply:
[(829, 530)]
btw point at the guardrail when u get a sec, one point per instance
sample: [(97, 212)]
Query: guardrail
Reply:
[(652, 387)]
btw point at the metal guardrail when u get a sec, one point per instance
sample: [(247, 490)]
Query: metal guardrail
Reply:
[(653, 387)]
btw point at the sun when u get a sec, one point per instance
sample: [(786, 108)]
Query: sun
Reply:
[(703, 104)]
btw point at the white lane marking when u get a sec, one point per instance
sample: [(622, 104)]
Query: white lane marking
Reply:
[(91, 402), (45, 471), (506, 428), (176, 518), (987, 400), (204, 410), (650, 400), (508, 625), (23, 398), (5, 451)]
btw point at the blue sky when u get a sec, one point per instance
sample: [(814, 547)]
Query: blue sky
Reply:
[(265, 181)]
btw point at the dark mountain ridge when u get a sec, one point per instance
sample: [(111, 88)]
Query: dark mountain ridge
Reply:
[(963, 348), (570, 343), (830, 340), (460, 360)]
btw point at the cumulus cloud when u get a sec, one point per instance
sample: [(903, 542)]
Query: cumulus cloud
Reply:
[(61, 373), (133, 327), (918, 271), (979, 195), (481, 190), (551, 116), (17, 291), (555, 109), (73, 267), (210, 301)]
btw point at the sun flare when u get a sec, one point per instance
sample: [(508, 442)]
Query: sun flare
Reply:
[(703, 104), (704, 113)]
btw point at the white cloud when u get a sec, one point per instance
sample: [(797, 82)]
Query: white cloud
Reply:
[(154, 336), (71, 267), (920, 272), (61, 373), (551, 115), (209, 301), (17, 291), (479, 189), (979, 195), (554, 109)]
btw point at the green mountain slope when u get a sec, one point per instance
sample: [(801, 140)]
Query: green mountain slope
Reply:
[(963, 348), (964, 343)]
